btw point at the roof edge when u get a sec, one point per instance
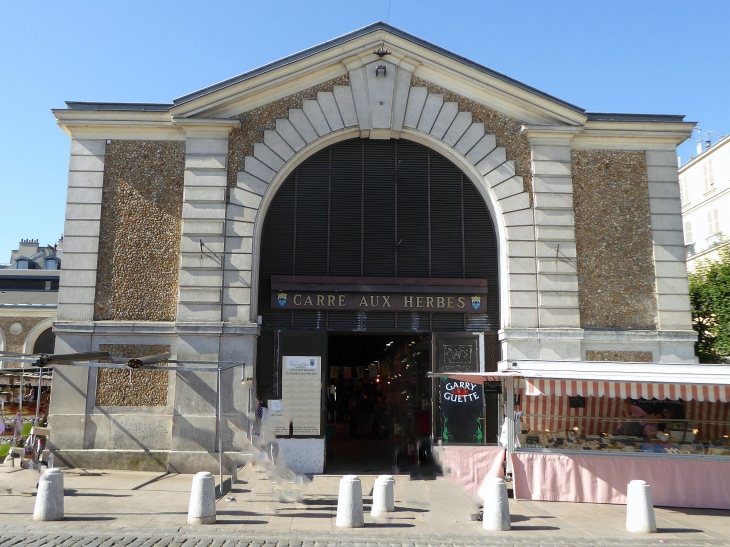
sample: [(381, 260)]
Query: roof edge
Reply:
[(141, 107), (627, 117)]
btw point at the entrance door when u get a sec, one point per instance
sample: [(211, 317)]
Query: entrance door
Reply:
[(463, 413), (379, 403)]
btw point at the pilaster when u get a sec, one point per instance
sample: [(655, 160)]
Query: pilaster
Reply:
[(554, 232), (77, 288), (203, 220), (672, 288)]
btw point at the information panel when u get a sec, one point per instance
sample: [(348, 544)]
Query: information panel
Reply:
[(301, 386)]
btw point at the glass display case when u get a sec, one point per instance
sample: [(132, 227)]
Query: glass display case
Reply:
[(635, 426)]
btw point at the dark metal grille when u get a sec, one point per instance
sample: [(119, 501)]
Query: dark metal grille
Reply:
[(265, 366), (381, 209)]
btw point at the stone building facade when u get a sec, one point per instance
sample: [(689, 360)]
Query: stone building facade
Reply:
[(28, 297), (704, 185), (167, 203)]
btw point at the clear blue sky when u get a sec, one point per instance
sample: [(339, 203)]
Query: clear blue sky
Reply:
[(667, 57)]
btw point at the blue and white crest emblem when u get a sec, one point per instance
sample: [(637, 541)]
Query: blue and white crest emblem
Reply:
[(282, 299), (476, 302)]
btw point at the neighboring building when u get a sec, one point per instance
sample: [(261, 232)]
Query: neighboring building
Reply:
[(704, 184), (29, 297), (374, 184)]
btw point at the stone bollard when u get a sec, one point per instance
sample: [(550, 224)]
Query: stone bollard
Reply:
[(349, 503), (383, 497), (496, 505), (202, 499), (640, 508), (49, 500)]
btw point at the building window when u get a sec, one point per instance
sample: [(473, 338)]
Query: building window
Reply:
[(690, 250), (714, 240), (713, 223), (51, 264), (688, 233), (22, 264), (683, 190), (709, 177)]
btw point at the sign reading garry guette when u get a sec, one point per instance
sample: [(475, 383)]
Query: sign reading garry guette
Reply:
[(462, 411), (381, 294), (301, 390)]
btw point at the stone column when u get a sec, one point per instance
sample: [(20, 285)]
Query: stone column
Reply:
[(77, 291), (672, 289), (556, 265), (200, 297), (203, 219)]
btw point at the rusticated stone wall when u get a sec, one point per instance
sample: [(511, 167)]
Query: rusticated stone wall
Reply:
[(139, 241), (119, 387), (619, 356), (505, 129), (256, 121), (613, 239)]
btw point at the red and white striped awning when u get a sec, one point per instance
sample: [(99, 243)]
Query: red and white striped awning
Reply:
[(634, 390)]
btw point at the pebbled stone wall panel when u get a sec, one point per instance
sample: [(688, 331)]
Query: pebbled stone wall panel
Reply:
[(619, 356), (139, 241), (613, 239), (118, 387)]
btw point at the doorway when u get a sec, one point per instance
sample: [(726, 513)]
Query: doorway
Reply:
[(379, 410)]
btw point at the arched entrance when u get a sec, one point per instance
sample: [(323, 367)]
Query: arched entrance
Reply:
[(371, 250)]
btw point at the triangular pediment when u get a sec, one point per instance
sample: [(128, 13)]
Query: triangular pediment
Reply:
[(336, 60)]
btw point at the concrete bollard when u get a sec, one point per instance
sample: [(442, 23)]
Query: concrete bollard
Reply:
[(202, 499), (640, 508), (496, 505), (49, 500), (349, 503), (383, 497)]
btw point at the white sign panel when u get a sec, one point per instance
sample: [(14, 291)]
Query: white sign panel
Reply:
[(301, 386)]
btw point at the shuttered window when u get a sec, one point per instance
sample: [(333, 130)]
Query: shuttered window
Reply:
[(378, 208)]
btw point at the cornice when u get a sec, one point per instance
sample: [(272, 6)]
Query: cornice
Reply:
[(550, 134), (632, 135), (118, 124)]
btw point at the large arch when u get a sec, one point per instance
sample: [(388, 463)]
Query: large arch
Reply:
[(413, 113), (400, 190), (34, 333)]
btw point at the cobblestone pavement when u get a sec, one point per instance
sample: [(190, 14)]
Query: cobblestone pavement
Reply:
[(136, 509), (222, 538)]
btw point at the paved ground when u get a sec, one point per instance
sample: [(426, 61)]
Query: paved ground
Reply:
[(136, 509)]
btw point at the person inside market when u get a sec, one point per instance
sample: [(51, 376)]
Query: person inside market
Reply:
[(646, 425)]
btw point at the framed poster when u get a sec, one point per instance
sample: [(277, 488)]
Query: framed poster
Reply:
[(301, 387)]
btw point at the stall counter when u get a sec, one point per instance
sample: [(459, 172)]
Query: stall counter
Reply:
[(688, 481)]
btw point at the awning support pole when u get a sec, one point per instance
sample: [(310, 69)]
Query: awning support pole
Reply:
[(220, 435), (509, 404), (38, 395)]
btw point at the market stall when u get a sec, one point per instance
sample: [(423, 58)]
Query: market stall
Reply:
[(24, 401), (588, 428), (581, 431)]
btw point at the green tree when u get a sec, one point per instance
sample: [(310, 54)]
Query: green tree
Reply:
[(709, 292)]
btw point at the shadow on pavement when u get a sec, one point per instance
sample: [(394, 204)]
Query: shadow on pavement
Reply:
[(521, 518), (534, 528), (86, 517)]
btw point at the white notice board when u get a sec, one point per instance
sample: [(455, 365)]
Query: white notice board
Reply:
[(301, 390)]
